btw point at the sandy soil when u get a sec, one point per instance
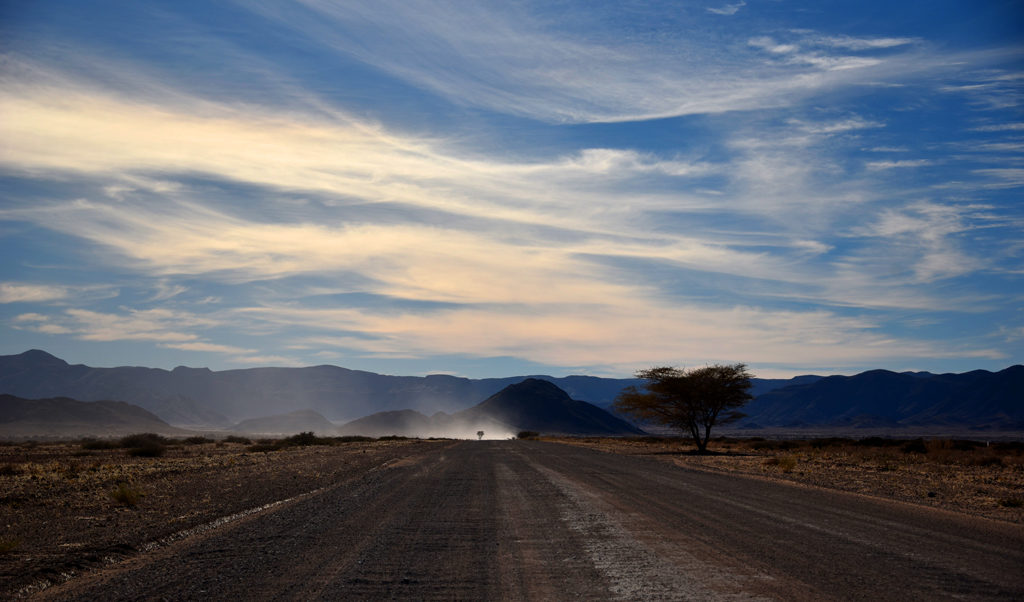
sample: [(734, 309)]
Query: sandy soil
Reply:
[(986, 481), (58, 515)]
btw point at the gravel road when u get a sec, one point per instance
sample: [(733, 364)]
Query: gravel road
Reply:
[(518, 520)]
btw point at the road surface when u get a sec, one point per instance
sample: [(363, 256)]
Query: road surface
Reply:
[(526, 520)]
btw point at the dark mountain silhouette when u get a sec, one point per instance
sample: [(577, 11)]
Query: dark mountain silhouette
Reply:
[(978, 399), (199, 396), (63, 417), (299, 421), (533, 404), (539, 405)]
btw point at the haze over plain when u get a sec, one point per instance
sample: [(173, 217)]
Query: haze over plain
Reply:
[(494, 189)]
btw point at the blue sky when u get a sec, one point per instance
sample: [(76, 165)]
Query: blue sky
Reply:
[(490, 189)]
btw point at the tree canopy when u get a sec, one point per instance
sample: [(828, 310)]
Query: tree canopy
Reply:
[(692, 401)]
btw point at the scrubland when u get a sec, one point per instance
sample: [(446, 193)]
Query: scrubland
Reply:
[(68, 506), (957, 475)]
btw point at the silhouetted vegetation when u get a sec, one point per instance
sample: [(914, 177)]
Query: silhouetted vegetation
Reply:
[(145, 445), (98, 444), (692, 401), (527, 435), (196, 440)]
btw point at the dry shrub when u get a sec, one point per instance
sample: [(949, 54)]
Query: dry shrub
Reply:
[(127, 495), (98, 444), (148, 450), (783, 463), (143, 440), (9, 470)]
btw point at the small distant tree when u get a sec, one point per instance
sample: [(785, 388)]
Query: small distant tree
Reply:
[(692, 401), (479, 435)]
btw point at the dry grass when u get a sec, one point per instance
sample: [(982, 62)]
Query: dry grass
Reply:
[(64, 506), (962, 476)]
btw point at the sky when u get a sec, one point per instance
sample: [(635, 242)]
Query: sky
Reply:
[(493, 189)]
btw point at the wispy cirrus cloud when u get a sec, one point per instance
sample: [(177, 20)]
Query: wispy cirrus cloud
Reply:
[(904, 163), (277, 209), (17, 292), (728, 9), (505, 60)]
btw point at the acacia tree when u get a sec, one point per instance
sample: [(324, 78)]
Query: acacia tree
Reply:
[(692, 401)]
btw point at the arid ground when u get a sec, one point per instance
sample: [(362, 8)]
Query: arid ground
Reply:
[(447, 520), (958, 475)]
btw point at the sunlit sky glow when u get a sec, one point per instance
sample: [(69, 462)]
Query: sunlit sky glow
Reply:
[(490, 189)]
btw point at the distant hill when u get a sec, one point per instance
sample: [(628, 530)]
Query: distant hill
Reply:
[(539, 405), (533, 404), (291, 423), (63, 417), (880, 398)]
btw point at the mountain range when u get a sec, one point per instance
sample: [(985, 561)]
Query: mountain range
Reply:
[(199, 397), (530, 405), (63, 417), (202, 397), (880, 398)]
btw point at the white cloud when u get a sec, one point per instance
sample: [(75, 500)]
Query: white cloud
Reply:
[(583, 334), (1000, 127), (1003, 177), (880, 165), (728, 9), (921, 238), (852, 43), (16, 292), (835, 127), (207, 347), (502, 59)]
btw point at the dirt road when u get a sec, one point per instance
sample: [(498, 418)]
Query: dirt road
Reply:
[(518, 520)]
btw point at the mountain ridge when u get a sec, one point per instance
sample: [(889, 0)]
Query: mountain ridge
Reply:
[(192, 397)]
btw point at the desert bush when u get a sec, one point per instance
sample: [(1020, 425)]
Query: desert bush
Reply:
[(783, 463), (264, 447), (352, 439), (878, 442), (127, 495), (304, 438), (916, 446), (142, 440), (9, 470), (148, 450), (393, 438), (527, 435), (237, 439), (196, 440), (95, 444), (1013, 502)]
